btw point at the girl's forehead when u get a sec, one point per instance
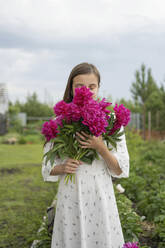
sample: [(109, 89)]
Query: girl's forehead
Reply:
[(85, 77), (84, 82)]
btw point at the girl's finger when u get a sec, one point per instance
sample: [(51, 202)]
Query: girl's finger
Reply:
[(85, 147), (71, 172), (74, 161), (87, 135), (83, 142), (82, 137), (74, 165)]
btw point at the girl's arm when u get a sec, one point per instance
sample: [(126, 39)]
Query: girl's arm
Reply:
[(117, 161), (122, 156), (110, 159), (50, 173)]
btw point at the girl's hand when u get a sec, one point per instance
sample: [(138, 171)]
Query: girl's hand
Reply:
[(89, 141), (70, 165)]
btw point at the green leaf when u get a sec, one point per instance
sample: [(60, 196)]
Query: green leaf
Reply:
[(52, 158), (56, 147), (86, 160), (68, 126), (121, 133), (58, 140)]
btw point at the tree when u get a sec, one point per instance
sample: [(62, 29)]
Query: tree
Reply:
[(133, 107), (33, 107), (142, 89), (162, 113)]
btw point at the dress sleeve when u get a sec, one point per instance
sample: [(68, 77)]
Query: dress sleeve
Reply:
[(46, 168), (122, 157)]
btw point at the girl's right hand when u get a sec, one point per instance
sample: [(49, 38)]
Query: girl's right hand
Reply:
[(70, 165)]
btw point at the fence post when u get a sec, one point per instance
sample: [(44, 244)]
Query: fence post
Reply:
[(149, 125), (157, 119)]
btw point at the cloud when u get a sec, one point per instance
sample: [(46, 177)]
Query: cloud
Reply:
[(41, 41), (42, 21)]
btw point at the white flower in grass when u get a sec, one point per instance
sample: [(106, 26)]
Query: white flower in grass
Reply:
[(120, 188)]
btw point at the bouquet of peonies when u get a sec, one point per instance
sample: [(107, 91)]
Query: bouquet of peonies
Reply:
[(83, 114)]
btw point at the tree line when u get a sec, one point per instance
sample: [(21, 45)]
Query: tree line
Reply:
[(145, 92)]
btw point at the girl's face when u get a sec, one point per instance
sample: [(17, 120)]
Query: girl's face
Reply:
[(88, 80)]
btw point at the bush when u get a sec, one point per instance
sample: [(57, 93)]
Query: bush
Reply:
[(130, 220), (22, 140), (15, 126)]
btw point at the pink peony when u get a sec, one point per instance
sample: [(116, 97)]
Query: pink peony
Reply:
[(61, 108), (122, 114), (49, 129), (94, 118), (130, 245), (82, 96), (74, 112), (122, 117), (103, 105), (59, 120)]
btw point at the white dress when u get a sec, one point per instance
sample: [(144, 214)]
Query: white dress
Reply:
[(86, 212)]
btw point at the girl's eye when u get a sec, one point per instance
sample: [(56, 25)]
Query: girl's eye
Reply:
[(91, 88)]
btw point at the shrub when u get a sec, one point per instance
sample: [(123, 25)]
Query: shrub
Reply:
[(22, 140)]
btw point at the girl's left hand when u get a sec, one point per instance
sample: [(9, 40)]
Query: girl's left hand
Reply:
[(89, 141)]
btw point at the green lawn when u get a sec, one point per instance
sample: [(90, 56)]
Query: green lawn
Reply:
[(24, 196)]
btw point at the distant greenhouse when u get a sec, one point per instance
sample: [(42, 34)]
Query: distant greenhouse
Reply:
[(4, 105)]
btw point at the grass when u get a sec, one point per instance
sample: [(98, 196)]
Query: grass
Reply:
[(24, 196)]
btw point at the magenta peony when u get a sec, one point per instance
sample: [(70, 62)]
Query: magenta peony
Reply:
[(59, 120), (74, 112), (49, 129), (122, 117), (130, 245), (122, 114), (103, 105), (61, 108), (82, 96), (95, 118)]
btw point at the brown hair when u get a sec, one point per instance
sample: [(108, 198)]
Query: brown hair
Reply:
[(83, 68)]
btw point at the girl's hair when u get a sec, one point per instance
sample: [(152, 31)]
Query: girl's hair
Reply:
[(83, 68)]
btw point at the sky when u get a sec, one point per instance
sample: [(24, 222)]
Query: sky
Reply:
[(41, 41)]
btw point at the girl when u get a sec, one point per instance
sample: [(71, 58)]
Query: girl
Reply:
[(86, 212)]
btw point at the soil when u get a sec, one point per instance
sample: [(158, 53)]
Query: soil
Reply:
[(10, 170)]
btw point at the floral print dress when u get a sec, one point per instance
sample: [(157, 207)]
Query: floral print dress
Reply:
[(86, 212)]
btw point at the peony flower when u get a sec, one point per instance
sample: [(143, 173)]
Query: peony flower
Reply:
[(61, 108), (49, 129), (82, 96), (74, 112), (94, 118), (122, 117), (103, 105), (122, 114), (59, 120), (130, 245)]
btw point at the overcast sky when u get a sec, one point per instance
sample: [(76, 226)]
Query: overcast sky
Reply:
[(41, 41)]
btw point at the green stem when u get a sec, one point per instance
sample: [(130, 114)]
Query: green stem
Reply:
[(78, 156)]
